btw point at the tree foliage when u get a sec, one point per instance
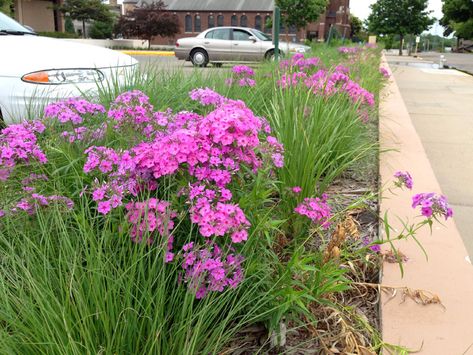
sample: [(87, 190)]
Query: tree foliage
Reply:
[(356, 26), (5, 6), (101, 30), (299, 13), (458, 18), (86, 10), (148, 21), (399, 17)]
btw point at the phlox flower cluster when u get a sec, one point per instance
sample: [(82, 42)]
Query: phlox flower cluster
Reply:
[(328, 84), (242, 76), (215, 216), (149, 216), (275, 150), (18, 145), (404, 179), (71, 113), (133, 109), (210, 147), (207, 97), (432, 205), (203, 152), (296, 189), (299, 63), (31, 203), (119, 167), (349, 50), (83, 133), (243, 71), (384, 72), (72, 110), (208, 269), (33, 178), (291, 79), (316, 209)]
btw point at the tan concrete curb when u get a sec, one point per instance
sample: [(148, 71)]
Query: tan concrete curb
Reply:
[(150, 53), (446, 273)]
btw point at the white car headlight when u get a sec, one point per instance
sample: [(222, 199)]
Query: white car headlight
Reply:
[(64, 76)]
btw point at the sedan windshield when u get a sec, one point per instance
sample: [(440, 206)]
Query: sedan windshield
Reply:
[(10, 26), (262, 36)]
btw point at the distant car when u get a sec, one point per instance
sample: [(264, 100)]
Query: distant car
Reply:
[(37, 70), (231, 44)]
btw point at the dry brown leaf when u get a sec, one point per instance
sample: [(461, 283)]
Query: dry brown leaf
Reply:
[(390, 257), (351, 227), (333, 248), (421, 297)]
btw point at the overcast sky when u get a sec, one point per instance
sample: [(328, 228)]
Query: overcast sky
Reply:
[(361, 9)]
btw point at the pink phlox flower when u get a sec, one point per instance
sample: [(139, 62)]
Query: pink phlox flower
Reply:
[(209, 270), (404, 179), (432, 205), (316, 209)]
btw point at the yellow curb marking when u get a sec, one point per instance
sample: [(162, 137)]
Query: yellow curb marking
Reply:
[(157, 53)]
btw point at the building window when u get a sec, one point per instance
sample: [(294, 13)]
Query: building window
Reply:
[(258, 22), (243, 21), (188, 26), (197, 24), (220, 19), (211, 21), (267, 22), (292, 29), (234, 20)]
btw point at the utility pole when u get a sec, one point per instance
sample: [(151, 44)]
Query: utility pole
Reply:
[(276, 27)]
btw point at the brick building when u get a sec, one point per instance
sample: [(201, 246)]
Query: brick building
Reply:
[(196, 16)]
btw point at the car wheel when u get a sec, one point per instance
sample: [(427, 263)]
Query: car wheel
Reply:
[(199, 57), (269, 55)]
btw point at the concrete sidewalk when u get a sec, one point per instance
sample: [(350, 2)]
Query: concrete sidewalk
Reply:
[(440, 104), (441, 123)]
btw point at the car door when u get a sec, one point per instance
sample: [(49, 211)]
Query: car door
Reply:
[(218, 45), (243, 47)]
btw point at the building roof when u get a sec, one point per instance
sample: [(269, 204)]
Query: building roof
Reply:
[(216, 5)]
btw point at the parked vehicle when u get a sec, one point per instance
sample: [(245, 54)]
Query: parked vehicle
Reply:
[(231, 44), (37, 70)]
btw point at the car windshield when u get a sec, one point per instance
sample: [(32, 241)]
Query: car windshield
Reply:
[(262, 36), (7, 24)]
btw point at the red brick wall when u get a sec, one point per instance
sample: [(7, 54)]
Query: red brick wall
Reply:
[(333, 16)]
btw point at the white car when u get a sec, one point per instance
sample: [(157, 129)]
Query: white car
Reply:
[(37, 70), (219, 45)]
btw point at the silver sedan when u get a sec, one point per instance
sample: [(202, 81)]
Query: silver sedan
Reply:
[(231, 44)]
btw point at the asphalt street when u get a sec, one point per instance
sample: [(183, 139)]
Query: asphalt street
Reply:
[(460, 61)]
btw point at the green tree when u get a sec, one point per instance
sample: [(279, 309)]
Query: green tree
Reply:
[(148, 21), (458, 18), (356, 26), (85, 11), (399, 17), (5, 6), (299, 13), (69, 26), (101, 30)]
